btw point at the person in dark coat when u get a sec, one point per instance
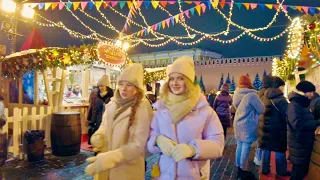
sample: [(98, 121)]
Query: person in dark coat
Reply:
[(301, 127), (267, 82), (212, 96), (222, 105), (315, 102), (273, 128), (98, 98)]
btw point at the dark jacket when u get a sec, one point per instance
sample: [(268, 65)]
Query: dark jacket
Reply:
[(211, 99), (222, 105), (273, 123), (315, 106), (300, 129), (96, 108)]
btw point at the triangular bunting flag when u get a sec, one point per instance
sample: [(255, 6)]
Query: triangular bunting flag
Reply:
[(239, 5), (247, 5), (188, 2), (228, 3), (159, 25), (137, 4), (69, 4), (75, 5), (299, 8), (138, 33), (171, 2), (125, 27), (187, 13), (168, 22), (203, 7), (163, 3), (276, 6), (261, 6), (181, 16), (269, 6), (122, 3), (253, 5), (208, 4), (90, 5), (130, 4), (172, 20), (33, 5), (149, 29), (312, 10), (176, 17), (155, 4), (192, 11), (46, 6), (222, 4), (146, 4), (99, 3), (84, 5), (106, 4), (155, 27), (54, 5), (40, 6), (198, 8), (61, 5), (305, 9), (215, 3), (163, 23), (196, 2), (114, 3), (285, 7), (293, 7), (318, 8)]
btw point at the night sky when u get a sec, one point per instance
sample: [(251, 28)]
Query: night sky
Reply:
[(209, 22)]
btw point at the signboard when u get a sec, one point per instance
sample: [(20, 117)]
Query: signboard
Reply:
[(3, 50), (111, 54)]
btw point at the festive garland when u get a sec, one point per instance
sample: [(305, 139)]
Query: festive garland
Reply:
[(154, 76), (15, 65), (303, 49)]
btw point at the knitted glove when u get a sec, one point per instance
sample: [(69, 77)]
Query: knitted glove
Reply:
[(101, 162), (183, 151), (165, 144), (98, 142)]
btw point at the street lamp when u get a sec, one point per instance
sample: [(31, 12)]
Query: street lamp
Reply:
[(11, 7)]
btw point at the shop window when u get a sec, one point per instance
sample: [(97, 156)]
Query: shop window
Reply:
[(28, 88), (14, 91)]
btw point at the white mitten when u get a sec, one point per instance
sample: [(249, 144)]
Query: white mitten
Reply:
[(182, 151), (101, 162), (165, 144), (98, 142)]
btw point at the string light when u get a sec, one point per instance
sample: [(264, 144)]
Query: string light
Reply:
[(295, 38)]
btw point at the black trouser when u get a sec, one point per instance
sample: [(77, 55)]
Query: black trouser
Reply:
[(225, 128), (299, 172)]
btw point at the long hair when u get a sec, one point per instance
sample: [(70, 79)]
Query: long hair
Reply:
[(135, 107)]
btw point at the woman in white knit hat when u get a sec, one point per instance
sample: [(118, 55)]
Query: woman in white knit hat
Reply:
[(98, 98), (123, 133), (185, 130)]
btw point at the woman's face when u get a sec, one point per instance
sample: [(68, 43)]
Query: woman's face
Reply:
[(102, 88), (177, 84), (127, 90)]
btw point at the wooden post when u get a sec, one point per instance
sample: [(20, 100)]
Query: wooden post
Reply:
[(62, 84), (46, 84)]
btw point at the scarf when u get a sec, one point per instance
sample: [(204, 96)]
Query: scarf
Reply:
[(103, 93), (180, 105), (123, 104)]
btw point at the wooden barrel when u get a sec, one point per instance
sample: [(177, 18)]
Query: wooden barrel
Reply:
[(3, 148), (314, 168), (65, 133)]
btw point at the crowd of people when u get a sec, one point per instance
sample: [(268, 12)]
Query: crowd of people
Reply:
[(188, 129)]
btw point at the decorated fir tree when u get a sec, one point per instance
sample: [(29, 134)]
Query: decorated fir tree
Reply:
[(232, 85), (264, 73), (257, 83), (228, 80), (202, 85), (221, 82)]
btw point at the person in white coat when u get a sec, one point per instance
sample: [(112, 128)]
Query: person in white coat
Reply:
[(123, 133)]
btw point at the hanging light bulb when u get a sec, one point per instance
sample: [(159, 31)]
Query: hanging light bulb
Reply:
[(118, 43), (125, 46)]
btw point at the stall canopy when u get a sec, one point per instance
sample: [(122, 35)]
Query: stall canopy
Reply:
[(34, 41)]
